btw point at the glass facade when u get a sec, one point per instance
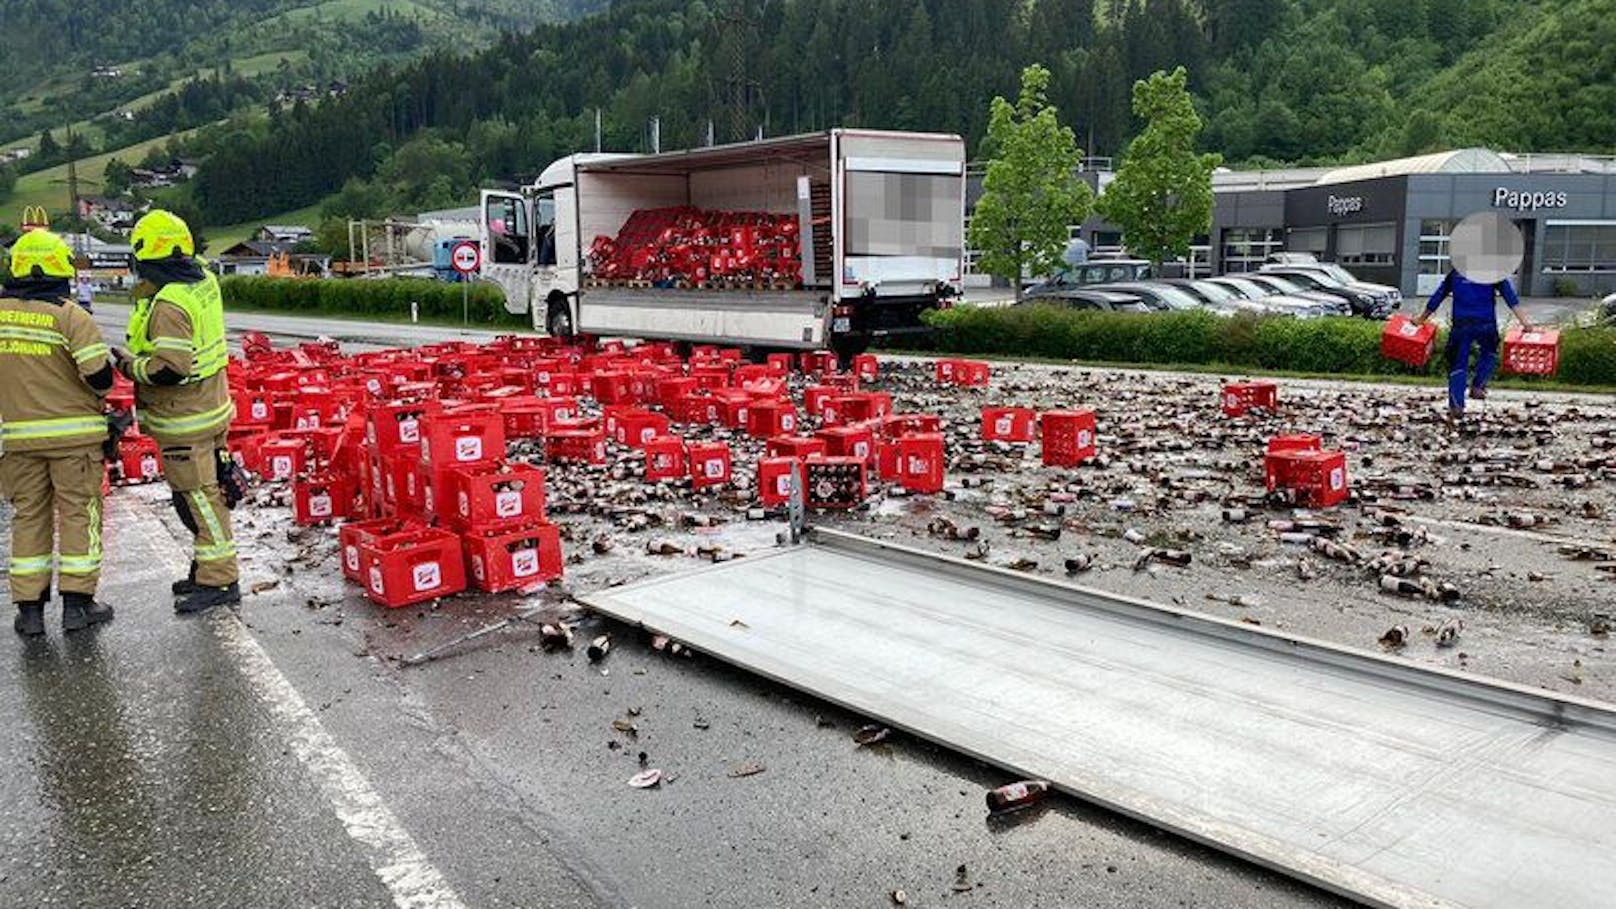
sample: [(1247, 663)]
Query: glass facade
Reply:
[(1366, 244), (1434, 246), (1581, 246), (1247, 248)]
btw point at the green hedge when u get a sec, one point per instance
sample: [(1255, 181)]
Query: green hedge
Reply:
[(387, 298), (1345, 346)]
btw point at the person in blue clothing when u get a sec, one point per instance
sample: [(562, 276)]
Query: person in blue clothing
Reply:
[(1475, 324)]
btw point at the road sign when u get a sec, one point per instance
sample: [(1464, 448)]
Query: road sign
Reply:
[(466, 257)]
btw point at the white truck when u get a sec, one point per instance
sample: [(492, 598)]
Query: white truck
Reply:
[(881, 229)]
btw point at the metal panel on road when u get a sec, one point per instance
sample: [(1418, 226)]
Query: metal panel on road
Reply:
[(1392, 783)]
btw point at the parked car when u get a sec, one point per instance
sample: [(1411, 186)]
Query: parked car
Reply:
[(1099, 271), (1292, 258), (1336, 302), (1220, 297), (1158, 295), (1083, 298), (1276, 302), (1384, 298)]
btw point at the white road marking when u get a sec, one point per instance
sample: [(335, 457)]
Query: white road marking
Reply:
[(392, 852)]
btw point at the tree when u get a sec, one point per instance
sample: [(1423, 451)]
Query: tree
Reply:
[(49, 149), (1162, 194), (117, 177), (1031, 193)]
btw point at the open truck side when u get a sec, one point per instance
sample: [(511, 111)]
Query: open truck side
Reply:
[(881, 236)]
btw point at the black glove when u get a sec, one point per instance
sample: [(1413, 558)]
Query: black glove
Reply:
[(118, 422), (232, 479), (121, 361)]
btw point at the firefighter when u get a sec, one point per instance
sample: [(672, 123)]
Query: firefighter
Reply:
[(176, 358), (54, 370)]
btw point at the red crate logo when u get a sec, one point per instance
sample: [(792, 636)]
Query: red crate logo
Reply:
[(525, 562), (469, 448), (350, 557), (320, 505), (280, 467), (149, 467), (426, 576)]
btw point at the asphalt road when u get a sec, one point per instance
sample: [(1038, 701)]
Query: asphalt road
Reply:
[(281, 756)]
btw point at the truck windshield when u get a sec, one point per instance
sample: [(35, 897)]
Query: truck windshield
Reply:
[(903, 215)]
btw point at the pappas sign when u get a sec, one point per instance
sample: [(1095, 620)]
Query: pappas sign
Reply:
[(1343, 205), (1504, 197)]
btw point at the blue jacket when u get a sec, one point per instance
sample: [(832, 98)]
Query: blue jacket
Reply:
[(1472, 302)]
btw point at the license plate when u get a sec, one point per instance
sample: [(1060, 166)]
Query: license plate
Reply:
[(842, 324)]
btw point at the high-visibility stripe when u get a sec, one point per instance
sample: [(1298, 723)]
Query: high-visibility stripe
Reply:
[(171, 344), (86, 564), (91, 352), (194, 423), (52, 429), (138, 367), (223, 547), (95, 528), (41, 335), (30, 564)]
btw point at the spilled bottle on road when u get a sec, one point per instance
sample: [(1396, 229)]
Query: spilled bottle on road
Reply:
[(1017, 795)]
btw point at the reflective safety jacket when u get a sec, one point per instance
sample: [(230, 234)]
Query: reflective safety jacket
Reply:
[(178, 335), (47, 348)]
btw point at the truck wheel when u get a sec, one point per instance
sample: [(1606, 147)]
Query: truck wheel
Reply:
[(846, 348), (559, 321)]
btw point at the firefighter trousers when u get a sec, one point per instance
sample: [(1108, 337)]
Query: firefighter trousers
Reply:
[(53, 494), (192, 472)]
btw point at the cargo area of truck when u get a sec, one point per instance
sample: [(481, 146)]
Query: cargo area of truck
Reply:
[(1388, 782), (758, 318)]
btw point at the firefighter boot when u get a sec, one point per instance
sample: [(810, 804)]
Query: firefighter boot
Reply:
[(30, 620), (202, 598), (80, 610), (187, 585)]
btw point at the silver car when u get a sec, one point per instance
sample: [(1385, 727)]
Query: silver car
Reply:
[(1274, 302)]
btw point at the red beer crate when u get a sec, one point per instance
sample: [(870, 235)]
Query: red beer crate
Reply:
[(750, 372), (664, 459), (920, 462), (710, 377), (138, 460), (709, 464), (866, 367), (774, 479), (734, 407), (1009, 424), (1319, 478), (1283, 451), (1532, 353), (848, 442), (834, 482), (494, 493), (1068, 437), (672, 389), (817, 362), (564, 384), (637, 427), (257, 407), (396, 425), (462, 438), (613, 386), (283, 458), (886, 458), (858, 406), (353, 533), (897, 425), (963, 372), (1241, 397), (582, 446), (695, 408), (412, 567), (815, 397), (526, 417), (781, 363), (767, 419), (1404, 341), (795, 447), (514, 557), (402, 486), (322, 497)]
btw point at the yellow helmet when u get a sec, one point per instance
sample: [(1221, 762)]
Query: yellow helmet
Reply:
[(40, 253), (159, 234)]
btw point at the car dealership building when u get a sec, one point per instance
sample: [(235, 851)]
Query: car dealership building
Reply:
[(1389, 222)]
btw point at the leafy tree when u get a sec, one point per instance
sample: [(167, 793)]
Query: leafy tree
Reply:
[(1031, 193), (1162, 194), (116, 178), (49, 149), (8, 180)]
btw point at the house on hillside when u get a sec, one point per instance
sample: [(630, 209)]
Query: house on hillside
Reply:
[(288, 234), (176, 171), (270, 257), (12, 155), (113, 214)]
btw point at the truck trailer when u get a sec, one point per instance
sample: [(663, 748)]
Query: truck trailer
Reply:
[(879, 238)]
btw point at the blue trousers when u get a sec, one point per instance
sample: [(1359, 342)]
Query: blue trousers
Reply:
[(1461, 338)]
